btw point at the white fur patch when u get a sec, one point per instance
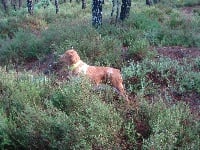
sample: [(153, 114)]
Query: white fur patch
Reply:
[(83, 68), (110, 71)]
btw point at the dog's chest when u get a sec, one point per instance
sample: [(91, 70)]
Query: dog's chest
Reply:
[(82, 69)]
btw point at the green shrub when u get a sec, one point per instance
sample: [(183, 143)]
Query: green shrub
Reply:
[(35, 128), (24, 88), (143, 22), (74, 116), (95, 122), (180, 3), (130, 133), (172, 127), (23, 47), (4, 138), (190, 82), (175, 21), (196, 11), (36, 115), (190, 2), (197, 63), (163, 72), (135, 76), (140, 75), (178, 38), (8, 27)]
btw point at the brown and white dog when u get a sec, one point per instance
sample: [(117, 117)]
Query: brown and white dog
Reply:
[(96, 74)]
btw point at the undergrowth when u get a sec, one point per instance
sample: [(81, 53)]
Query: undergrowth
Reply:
[(38, 112)]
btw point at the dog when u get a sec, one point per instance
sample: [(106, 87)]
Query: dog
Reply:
[(96, 74)]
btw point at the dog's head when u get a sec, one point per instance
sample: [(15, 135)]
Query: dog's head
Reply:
[(70, 57)]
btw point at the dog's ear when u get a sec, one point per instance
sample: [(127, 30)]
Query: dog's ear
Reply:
[(76, 57)]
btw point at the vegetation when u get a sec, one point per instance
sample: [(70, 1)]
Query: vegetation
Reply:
[(40, 112)]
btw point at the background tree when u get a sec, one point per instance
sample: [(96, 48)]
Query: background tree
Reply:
[(13, 3), (83, 4), (5, 5), (30, 6), (97, 13), (125, 9), (115, 10), (57, 8), (20, 3)]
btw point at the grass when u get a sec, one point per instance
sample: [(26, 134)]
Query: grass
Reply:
[(36, 113)]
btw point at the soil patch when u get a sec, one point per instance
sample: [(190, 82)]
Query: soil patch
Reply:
[(188, 12), (178, 52)]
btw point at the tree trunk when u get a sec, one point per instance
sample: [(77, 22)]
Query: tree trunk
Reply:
[(20, 3), (125, 9), (149, 2), (57, 8), (4, 3), (115, 10), (83, 4), (30, 6), (13, 3), (97, 13)]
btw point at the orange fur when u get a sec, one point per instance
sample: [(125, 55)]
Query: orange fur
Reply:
[(96, 74)]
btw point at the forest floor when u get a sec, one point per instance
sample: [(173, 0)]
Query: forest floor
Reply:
[(174, 52), (178, 53)]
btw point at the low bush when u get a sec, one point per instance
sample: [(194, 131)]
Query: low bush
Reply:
[(35, 116), (197, 64), (143, 22), (4, 138), (180, 3), (190, 2), (23, 47), (190, 82), (8, 27), (141, 75), (96, 123), (172, 127), (36, 113)]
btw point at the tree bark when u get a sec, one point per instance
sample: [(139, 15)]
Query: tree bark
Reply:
[(115, 10), (20, 3), (30, 6), (57, 8), (4, 3), (13, 3), (97, 13), (83, 4), (125, 9)]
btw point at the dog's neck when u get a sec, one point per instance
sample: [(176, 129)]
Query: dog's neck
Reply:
[(74, 66)]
